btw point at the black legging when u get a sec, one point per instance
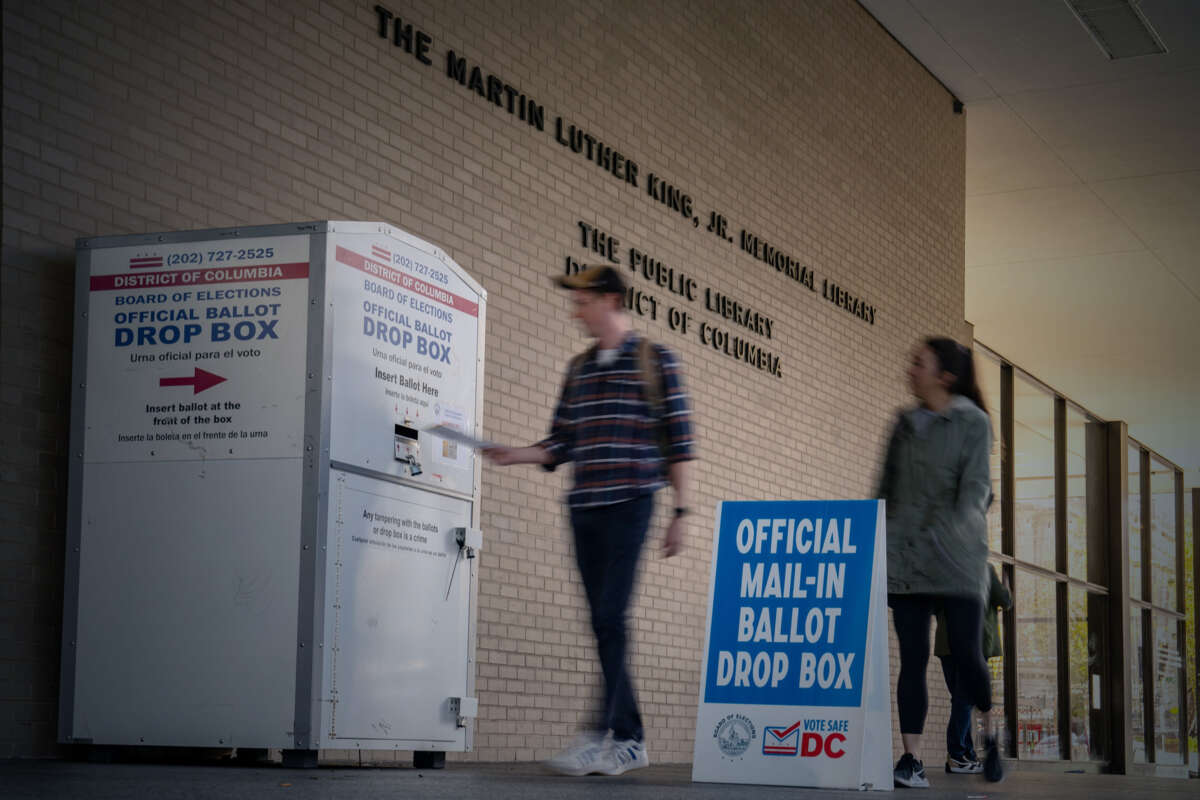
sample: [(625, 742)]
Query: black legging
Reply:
[(964, 627)]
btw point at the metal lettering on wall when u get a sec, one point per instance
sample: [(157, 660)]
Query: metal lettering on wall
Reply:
[(685, 287), (620, 166)]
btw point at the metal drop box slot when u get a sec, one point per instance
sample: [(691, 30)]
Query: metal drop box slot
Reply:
[(267, 547)]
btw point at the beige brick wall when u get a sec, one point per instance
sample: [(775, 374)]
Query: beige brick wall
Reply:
[(804, 123)]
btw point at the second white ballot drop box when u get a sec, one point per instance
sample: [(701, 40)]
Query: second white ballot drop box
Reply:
[(267, 547)]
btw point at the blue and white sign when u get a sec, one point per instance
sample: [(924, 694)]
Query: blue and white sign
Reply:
[(794, 687)]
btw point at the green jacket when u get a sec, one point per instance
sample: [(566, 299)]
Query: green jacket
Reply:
[(998, 597), (938, 489)]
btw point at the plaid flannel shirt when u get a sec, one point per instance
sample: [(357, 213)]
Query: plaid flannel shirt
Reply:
[(605, 425)]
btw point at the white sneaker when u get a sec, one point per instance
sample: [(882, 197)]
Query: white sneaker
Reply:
[(587, 753), (624, 755)]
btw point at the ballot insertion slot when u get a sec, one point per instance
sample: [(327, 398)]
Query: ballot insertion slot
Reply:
[(407, 449)]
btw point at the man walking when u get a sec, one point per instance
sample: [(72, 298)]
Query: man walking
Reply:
[(623, 418)]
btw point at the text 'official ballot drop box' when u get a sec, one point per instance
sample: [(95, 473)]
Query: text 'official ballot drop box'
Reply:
[(267, 548)]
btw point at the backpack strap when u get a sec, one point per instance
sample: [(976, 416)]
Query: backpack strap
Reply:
[(650, 367), (654, 387)]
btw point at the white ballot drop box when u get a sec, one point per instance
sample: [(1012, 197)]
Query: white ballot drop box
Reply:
[(267, 547)]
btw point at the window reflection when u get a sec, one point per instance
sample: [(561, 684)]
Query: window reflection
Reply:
[(1037, 666), (1189, 540), (1086, 647), (1135, 522), (1162, 536), (1137, 693), (1168, 675), (1033, 463), (988, 370), (996, 668), (1077, 473)]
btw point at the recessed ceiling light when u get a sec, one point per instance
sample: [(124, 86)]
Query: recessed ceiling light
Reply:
[(1119, 27)]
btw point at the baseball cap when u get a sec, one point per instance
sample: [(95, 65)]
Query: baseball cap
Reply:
[(599, 278)]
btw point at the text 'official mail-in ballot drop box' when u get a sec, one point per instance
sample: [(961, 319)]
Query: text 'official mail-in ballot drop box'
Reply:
[(794, 684), (266, 546)]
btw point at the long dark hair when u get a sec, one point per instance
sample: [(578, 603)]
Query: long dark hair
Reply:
[(952, 357)]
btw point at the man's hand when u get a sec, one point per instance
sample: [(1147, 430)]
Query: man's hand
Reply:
[(506, 456), (677, 472), (501, 456), (673, 540)]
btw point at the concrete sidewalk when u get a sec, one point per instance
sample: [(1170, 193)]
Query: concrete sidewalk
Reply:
[(62, 780)]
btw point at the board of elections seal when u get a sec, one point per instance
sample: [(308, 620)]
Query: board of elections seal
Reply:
[(734, 734)]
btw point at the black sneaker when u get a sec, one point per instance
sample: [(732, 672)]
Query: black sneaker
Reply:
[(993, 770), (963, 766), (910, 772)]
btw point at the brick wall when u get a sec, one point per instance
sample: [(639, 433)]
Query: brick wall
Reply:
[(804, 123)]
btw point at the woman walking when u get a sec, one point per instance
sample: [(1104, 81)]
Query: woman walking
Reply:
[(937, 487), (960, 750)]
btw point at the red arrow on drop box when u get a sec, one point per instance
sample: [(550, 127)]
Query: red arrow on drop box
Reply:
[(200, 381)]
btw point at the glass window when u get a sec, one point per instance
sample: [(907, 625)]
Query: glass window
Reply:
[(1135, 522), (1086, 647), (1033, 462), (1077, 521), (1189, 543), (988, 374), (1168, 675), (1137, 695), (1162, 536), (1037, 664), (996, 667)]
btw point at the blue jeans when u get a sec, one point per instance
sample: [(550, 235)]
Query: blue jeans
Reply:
[(608, 546), (958, 730)]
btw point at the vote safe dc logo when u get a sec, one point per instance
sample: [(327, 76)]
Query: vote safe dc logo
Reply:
[(788, 740), (781, 741)]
